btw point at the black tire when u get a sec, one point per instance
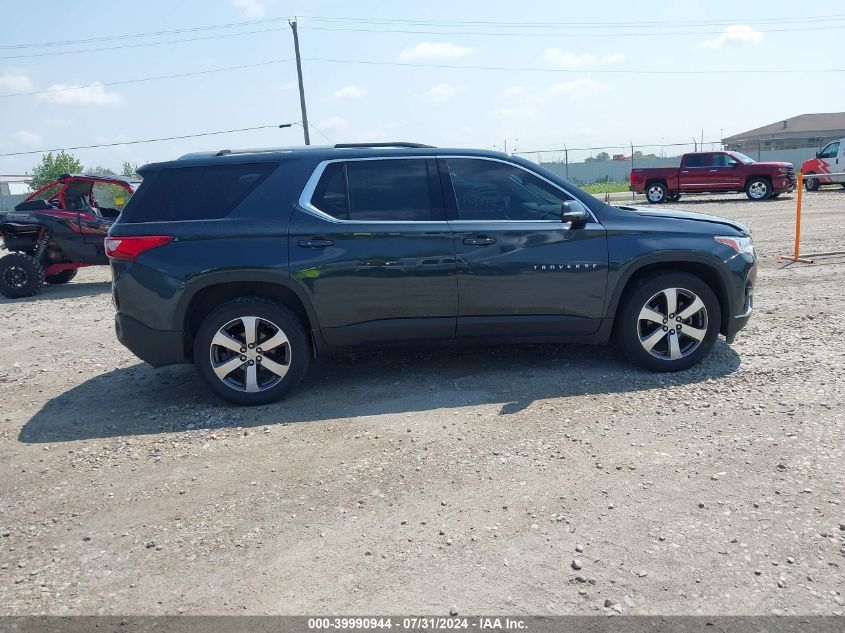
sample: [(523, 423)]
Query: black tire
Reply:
[(61, 277), (20, 275), (656, 192), (633, 333), (295, 355), (811, 184), (758, 189)]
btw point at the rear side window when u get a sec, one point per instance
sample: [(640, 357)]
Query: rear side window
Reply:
[(697, 160), (377, 191), (194, 193)]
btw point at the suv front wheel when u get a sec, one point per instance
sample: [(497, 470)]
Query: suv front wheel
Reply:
[(251, 351), (669, 321)]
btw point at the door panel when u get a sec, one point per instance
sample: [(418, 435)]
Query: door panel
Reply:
[(535, 279), (520, 273), (376, 280), (839, 165), (694, 175), (724, 173)]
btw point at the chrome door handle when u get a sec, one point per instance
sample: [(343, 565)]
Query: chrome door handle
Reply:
[(316, 243), (479, 241)]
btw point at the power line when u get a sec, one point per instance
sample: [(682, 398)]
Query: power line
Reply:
[(403, 64), (559, 33), (144, 79), (578, 24), (582, 71), (622, 146), (141, 44), (124, 36), (149, 140)]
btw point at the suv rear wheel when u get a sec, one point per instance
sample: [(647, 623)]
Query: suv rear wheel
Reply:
[(251, 351), (669, 321)]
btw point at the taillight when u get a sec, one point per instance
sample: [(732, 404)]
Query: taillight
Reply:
[(129, 248)]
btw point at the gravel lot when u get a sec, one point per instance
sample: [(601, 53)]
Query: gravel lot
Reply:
[(512, 480)]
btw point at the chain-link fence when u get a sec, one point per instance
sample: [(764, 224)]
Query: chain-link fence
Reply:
[(611, 165), (13, 189)]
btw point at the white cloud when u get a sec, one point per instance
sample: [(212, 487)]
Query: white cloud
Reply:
[(434, 50), (332, 123), (15, 81), (250, 8), (735, 34), (576, 86), (27, 138), (95, 94), (511, 92), (441, 93), (347, 92), (522, 111), (574, 61)]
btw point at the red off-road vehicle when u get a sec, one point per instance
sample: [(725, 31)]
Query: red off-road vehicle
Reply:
[(58, 229)]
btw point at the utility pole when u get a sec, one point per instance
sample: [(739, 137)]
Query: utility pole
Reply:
[(301, 87)]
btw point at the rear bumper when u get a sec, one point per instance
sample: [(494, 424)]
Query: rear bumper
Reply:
[(157, 347)]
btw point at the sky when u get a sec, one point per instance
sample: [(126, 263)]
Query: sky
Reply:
[(545, 74)]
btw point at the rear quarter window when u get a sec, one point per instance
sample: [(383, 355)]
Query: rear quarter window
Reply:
[(195, 193)]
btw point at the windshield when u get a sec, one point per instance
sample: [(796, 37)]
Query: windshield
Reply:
[(742, 157)]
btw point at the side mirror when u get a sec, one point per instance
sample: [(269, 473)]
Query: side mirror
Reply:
[(817, 154), (574, 214)]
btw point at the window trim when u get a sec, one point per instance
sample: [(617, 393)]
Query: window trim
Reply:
[(311, 186), (528, 171)]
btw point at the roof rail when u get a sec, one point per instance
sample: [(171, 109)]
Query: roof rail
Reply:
[(384, 144)]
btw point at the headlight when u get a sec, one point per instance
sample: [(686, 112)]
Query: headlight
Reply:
[(742, 245)]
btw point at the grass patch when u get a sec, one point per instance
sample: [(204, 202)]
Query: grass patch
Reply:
[(601, 187)]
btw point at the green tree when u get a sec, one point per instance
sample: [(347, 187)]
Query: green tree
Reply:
[(130, 170), (51, 167), (602, 156), (99, 169)]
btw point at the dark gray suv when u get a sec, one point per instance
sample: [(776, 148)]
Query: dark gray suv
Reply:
[(249, 263)]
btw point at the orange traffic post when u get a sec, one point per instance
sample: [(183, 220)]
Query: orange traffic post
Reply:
[(795, 256)]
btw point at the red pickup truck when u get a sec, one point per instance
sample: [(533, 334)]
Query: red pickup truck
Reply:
[(714, 172)]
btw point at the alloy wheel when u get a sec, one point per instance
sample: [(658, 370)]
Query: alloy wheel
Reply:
[(672, 324), (250, 354), (758, 190), (655, 193)]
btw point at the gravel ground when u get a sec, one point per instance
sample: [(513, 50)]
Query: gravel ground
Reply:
[(516, 480)]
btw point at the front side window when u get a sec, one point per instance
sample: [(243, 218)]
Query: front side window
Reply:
[(490, 190), (830, 151), (376, 191), (724, 160), (743, 158)]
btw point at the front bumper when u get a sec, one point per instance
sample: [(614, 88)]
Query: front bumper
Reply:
[(743, 306), (781, 185), (157, 347)]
